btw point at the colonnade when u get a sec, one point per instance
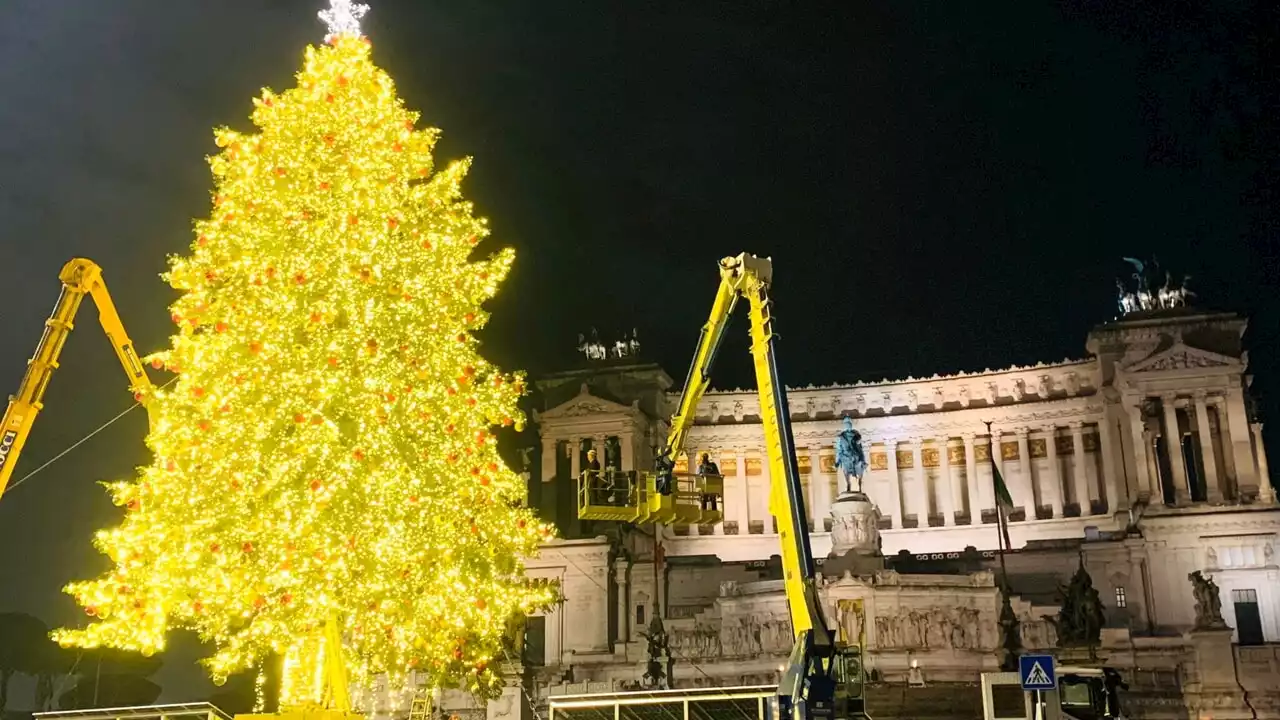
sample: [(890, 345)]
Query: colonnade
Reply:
[(1226, 446), (576, 446), (918, 478)]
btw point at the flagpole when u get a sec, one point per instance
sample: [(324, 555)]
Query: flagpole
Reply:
[(1008, 619)]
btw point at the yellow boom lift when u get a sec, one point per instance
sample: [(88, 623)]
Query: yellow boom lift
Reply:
[(820, 681), (81, 278)]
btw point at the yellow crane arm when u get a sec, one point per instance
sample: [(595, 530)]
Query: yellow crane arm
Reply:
[(79, 278), (699, 378), (807, 686)]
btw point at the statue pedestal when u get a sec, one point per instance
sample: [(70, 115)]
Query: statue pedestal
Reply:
[(512, 703), (855, 537), (1211, 688)]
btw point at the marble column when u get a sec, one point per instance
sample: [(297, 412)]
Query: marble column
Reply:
[(742, 513), (895, 483), (622, 577), (1266, 493), (1025, 483), (549, 447), (575, 461), (971, 480), (819, 490), (1241, 447), (1219, 405), (627, 451), (1079, 474), (598, 444), (1173, 446), (1141, 448), (1110, 474), (922, 481), (946, 486), (1053, 480), (1212, 489), (761, 510)]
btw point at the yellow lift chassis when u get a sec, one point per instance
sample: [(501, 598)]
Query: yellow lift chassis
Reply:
[(819, 683), (79, 278)]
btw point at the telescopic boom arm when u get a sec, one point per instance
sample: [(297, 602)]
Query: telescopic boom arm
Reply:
[(79, 278), (808, 685)]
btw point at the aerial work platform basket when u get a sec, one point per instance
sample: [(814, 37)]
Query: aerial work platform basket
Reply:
[(626, 496)]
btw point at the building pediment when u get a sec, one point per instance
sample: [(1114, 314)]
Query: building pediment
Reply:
[(585, 404), (1182, 357)]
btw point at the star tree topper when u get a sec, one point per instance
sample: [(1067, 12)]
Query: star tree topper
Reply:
[(343, 18)]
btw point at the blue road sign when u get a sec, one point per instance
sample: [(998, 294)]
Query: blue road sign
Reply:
[(1036, 672)]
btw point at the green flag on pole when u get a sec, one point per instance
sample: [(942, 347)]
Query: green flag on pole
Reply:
[(1004, 502)]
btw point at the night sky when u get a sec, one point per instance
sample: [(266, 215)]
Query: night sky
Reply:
[(941, 188)]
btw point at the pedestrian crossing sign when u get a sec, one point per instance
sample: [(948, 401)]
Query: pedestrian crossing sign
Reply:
[(1037, 672)]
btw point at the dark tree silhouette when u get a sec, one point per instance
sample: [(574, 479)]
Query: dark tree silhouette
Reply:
[(110, 691), (111, 678), (23, 641)]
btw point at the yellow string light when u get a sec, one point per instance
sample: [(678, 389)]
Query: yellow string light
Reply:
[(327, 447)]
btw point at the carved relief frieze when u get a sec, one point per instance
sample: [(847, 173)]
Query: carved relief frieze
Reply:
[(982, 452), (879, 460), (955, 454), (1181, 357), (1009, 451), (754, 466), (906, 459), (1072, 382), (753, 636), (1038, 448), (929, 457), (1065, 444), (827, 462), (936, 628)]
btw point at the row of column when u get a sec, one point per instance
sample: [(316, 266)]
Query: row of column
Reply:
[(576, 447), (976, 492), (1234, 451), (966, 492)]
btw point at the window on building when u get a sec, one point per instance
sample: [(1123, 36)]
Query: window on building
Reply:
[(1248, 618), (1121, 601), (639, 616)]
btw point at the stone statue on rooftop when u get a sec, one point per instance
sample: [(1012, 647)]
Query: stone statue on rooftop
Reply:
[(1145, 295)]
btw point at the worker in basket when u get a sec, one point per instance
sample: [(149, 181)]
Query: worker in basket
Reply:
[(707, 468)]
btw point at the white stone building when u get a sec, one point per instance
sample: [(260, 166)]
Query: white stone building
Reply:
[(1141, 463)]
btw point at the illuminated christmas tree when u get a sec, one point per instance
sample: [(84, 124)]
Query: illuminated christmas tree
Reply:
[(325, 453)]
